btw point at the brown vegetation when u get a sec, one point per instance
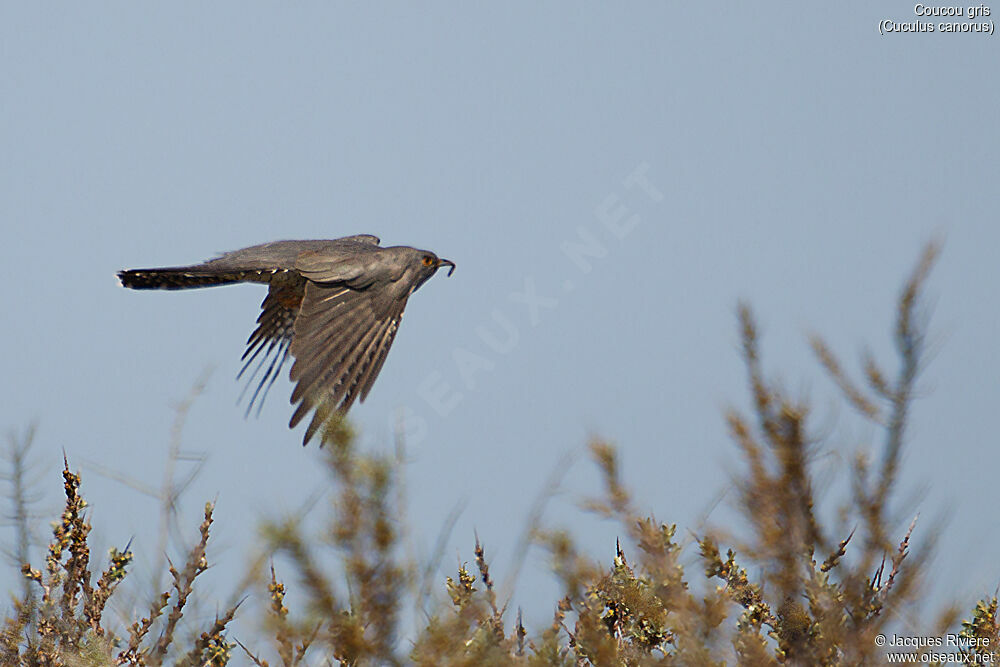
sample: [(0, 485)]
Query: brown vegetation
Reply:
[(792, 591)]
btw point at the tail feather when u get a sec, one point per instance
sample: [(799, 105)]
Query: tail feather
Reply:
[(187, 277)]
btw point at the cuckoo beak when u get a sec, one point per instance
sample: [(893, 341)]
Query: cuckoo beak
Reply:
[(442, 262)]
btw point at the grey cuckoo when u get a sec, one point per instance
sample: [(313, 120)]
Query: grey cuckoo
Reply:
[(333, 305)]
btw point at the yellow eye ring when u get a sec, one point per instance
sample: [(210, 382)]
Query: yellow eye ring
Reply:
[(428, 260)]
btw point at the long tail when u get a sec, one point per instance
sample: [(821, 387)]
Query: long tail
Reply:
[(186, 277)]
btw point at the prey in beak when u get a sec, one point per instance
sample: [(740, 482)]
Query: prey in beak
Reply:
[(448, 262)]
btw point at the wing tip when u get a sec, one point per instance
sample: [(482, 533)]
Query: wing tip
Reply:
[(327, 421)]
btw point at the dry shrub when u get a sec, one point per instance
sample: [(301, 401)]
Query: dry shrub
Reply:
[(790, 591)]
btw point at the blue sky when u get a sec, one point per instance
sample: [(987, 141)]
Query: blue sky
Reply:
[(783, 154)]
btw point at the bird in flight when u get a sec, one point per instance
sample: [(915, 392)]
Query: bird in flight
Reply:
[(334, 306)]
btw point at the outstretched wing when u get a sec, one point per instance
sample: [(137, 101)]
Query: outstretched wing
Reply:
[(370, 239), (271, 339), (342, 337)]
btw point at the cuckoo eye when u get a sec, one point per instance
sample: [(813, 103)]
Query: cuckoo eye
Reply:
[(428, 260)]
